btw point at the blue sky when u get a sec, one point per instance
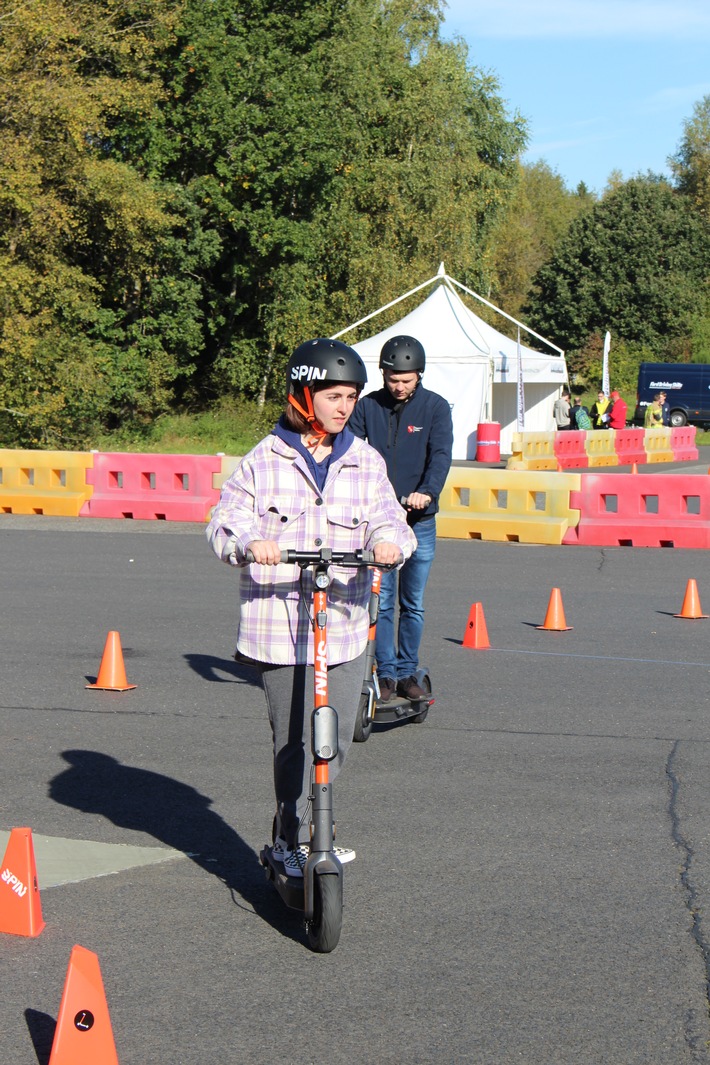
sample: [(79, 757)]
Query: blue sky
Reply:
[(605, 84)]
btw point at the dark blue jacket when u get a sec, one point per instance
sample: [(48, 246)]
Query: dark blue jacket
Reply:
[(415, 438)]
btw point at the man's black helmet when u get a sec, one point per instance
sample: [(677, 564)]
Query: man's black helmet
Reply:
[(324, 360), (403, 355)]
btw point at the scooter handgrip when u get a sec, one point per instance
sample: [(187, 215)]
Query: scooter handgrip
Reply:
[(249, 557)]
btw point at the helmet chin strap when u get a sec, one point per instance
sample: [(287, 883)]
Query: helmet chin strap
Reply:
[(316, 430)]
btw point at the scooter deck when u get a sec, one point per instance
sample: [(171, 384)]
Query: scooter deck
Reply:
[(398, 708), (290, 888)]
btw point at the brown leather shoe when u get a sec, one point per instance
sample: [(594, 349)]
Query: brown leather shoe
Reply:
[(387, 689), (410, 689)]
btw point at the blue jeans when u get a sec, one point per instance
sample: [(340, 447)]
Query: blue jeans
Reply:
[(412, 578)]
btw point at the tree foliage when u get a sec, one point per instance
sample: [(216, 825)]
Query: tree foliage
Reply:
[(635, 264), (336, 149), (536, 219), (189, 189), (87, 319), (691, 163)]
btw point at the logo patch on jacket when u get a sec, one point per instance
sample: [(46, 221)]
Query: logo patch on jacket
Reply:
[(414, 428)]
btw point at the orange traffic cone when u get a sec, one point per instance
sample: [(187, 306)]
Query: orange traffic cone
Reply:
[(112, 672), (555, 617), (20, 906), (476, 634), (634, 468), (83, 1035), (691, 608)]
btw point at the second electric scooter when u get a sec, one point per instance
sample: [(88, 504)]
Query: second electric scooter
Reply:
[(397, 708)]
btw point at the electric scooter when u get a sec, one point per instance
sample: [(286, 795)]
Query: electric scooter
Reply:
[(398, 708), (319, 894)]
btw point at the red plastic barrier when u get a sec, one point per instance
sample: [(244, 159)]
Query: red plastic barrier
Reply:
[(628, 444), (570, 449), (152, 487), (683, 443), (641, 510)]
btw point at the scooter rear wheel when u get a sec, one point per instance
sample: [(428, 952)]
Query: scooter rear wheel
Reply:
[(363, 727), (421, 716), (325, 927)]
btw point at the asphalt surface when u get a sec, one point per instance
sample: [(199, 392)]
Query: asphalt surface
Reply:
[(533, 869)]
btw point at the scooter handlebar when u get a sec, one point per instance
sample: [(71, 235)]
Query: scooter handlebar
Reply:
[(326, 554)]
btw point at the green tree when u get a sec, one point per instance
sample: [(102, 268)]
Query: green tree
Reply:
[(691, 163), (336, 150), (634, 264), (536, 219), (198, 186), (87, 319)]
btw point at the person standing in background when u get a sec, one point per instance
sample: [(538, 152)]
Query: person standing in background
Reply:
[(561, 411), (580, 416), (617, 412), (653, 415), (598, 410)]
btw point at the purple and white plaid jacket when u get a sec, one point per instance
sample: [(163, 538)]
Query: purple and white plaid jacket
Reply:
[(272, 496)]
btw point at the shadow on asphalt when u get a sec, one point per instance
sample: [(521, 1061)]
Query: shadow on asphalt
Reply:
[(211, 668), (41, 1028), (177, 815)]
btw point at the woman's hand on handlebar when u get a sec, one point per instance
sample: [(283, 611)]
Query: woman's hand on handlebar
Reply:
[(387, 554), (264, 552)]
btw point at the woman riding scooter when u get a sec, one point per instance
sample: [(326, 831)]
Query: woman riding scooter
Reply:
[(310, 483)]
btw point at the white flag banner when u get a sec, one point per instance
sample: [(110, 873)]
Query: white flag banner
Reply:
[(605, 364), (521, 389)]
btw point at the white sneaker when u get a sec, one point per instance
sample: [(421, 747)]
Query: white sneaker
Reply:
[(280, 849), (295, 860)]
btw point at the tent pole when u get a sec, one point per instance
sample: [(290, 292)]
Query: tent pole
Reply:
[(386, 307), (510, 318)]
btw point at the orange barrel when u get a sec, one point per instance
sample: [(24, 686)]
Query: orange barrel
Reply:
[(488, 442)]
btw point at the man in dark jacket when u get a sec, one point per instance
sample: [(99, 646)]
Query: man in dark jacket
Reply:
[(413, 431)]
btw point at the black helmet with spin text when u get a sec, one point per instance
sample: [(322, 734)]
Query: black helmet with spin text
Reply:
[(323, 360)]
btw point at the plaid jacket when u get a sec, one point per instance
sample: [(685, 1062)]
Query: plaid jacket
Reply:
[(272, 496)]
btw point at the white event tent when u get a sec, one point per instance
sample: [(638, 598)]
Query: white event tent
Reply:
[(471, 364)]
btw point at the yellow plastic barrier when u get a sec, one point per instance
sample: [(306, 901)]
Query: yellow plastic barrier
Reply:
[(44, 482), (527, 507), (229, 465), (600, 446), (533, 451), (657, 444)]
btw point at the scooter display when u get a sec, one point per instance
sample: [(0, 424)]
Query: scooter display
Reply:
[(397, 708), (319, 894)]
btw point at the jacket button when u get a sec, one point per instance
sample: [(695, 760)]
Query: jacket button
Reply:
[(318, 541), (319, 502), (284, 518)]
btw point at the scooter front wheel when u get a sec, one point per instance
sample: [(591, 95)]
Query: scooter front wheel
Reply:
[(325, 926)]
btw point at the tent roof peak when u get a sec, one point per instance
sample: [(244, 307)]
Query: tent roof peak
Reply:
[(441, 277)]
